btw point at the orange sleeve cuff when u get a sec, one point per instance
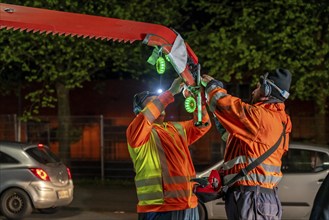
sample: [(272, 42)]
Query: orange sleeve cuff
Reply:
[(166, 98)]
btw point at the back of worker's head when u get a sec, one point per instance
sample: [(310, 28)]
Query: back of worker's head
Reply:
[(138, 100), (276, 84)]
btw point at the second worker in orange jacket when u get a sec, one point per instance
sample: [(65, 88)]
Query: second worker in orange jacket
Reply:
[(253, 129)]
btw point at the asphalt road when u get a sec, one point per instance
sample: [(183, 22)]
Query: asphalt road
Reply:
[(91, 202)]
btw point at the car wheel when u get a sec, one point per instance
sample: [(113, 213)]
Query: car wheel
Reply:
[(49, 210), (202, 211), (15, 204)]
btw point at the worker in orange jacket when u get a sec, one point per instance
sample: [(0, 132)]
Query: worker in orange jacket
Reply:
[(253, 129), (161, 157)]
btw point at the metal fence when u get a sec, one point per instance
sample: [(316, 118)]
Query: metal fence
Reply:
[(98, 147)]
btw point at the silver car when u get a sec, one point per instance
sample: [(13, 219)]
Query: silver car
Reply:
[(32, 178), (304, 168)]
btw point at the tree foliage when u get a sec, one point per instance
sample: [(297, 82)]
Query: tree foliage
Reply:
[(50, 60), (243, 39), (234, 40), (59, 64)]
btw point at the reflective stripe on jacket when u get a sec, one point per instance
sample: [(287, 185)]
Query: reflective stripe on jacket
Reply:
[(161, 158), (253, 129)]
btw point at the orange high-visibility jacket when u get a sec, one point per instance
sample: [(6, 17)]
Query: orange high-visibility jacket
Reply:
[(253, 129), (161, 158)]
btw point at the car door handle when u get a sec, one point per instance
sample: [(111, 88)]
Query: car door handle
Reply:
[(320, 180)]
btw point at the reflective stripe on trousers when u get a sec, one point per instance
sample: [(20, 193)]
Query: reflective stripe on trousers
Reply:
[(252, 205)]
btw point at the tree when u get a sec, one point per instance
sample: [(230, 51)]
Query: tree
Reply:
[(234, 40), (243, 39), (60, 64)]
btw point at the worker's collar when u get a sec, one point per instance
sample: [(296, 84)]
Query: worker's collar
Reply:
[(276, 106), (162, 125), (272, 99)]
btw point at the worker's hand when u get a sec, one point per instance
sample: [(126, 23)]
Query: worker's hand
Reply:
[(177, 86), (205, 79), (186, 92)]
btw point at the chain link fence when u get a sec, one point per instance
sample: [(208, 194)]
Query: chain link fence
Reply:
[(98, 146)]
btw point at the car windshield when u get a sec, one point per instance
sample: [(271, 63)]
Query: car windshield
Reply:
[(42, 155)]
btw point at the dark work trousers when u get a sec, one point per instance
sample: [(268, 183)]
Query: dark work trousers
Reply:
[(187, 214), (252, 203)]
